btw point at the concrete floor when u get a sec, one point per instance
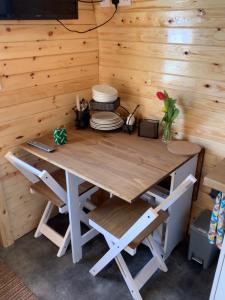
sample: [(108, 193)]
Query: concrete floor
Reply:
[(51, 278)]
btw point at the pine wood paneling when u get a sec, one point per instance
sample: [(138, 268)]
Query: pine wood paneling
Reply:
[(23, 80), (196, 53), (177, 4), (209, 18), (177, 45), (42, 67), (182, 36), (43, 48), (31, 64)]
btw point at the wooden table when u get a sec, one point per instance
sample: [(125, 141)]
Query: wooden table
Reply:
[(124, 165)]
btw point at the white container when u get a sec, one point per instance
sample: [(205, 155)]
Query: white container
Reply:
[(104, 93)]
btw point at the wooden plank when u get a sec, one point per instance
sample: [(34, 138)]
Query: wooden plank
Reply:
[(33, 93), (7, 238), (216, 178), (182, 36), (116, 217), (209, 18), (61, 63), (148, 83), (175, 67), (178, 4), (42, 48), (24, 33), (213, 54), (36, 107), (36, 126), (19, 81), (26, 217), (25, 65), (124, 165)]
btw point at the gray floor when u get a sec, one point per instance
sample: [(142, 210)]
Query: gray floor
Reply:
[(51, 278)]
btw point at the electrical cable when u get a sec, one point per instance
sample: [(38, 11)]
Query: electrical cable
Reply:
[(90, 29)]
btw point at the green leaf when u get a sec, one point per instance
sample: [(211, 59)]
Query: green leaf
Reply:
[(175, 114)]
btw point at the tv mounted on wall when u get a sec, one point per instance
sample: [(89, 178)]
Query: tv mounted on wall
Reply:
[(38, 9)]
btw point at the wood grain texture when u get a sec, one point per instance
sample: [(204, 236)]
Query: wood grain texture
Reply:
[(59, 175), (42, 67), (183, 148), (123, 165), (116, 216), (215, 179), (177, 45)]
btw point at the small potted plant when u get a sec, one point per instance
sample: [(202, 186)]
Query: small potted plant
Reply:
[(171, 113)]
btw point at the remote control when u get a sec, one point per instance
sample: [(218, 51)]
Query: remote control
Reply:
[(41, 146)]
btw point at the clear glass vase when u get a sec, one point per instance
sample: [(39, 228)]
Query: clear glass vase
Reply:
[(167, 133)]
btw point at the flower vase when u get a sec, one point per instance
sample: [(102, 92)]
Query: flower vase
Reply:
[(167, 133)]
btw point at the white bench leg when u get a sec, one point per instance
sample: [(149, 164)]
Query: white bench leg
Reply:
[(126, 275), (44, 219), (65, 243), (74, 216), (156, 253)]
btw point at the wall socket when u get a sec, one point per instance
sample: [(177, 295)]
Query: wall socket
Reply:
[(108, 3)]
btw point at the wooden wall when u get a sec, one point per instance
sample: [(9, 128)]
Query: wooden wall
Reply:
[(42, 67), (177, 45)]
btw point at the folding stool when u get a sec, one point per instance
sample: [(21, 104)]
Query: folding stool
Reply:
[(53, 188), (125, 226)]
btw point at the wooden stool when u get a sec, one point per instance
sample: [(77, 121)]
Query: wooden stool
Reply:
[(125, 226), (53, 188)]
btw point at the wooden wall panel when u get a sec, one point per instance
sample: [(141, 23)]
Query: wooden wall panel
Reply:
[(42, 67), (155, 44), (177, 45)]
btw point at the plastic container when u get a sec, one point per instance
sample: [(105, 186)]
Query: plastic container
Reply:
[(200, 249)]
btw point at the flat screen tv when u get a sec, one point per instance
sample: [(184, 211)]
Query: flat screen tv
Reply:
[(38, 9)]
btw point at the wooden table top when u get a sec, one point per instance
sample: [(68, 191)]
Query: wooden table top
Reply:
[(124, 165), (216, 177)]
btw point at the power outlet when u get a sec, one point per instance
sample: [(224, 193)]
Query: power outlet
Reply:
[(108, 3)]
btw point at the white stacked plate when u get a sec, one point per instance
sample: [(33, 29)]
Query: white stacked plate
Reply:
[(106, 121), (104, 93)]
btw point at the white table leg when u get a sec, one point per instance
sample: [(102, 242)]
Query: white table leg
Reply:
[(74, 216)]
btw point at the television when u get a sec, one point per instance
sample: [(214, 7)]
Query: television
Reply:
[(38, 9)]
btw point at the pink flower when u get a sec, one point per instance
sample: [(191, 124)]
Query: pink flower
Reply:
[(161, 96)]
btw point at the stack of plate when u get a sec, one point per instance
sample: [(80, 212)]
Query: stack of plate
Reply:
[(106, 121), (104, 93)]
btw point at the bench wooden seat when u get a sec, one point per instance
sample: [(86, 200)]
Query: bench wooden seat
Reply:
[(53, 188), (59, 175), (125, 226), (117, 216)]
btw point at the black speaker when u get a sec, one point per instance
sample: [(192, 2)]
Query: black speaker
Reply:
[(148, 128)]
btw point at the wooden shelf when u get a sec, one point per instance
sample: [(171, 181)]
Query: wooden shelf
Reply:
[(216, 178)]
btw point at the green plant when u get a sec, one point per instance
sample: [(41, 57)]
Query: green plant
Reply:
[(171, 113)]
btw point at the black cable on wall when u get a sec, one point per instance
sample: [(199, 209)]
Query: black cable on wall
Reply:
[(115, 2)]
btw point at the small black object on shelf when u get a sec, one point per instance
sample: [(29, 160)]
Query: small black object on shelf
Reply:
[(148, 128), (129, 128), (104, 106), (82, 118)]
